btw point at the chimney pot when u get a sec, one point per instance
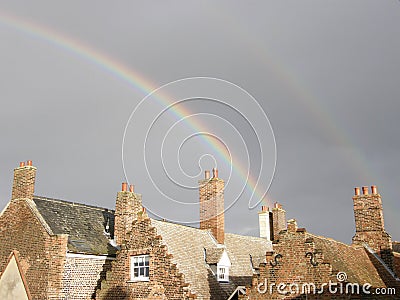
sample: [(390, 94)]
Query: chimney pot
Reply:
[(357, 191), (131, 188), (29, 163), (207, 174), (264, 208), (374, 190), (365, 190), (124, 186), (21, 164), (215, 173)]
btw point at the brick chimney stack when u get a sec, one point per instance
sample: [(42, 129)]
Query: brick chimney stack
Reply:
[(24, 181), (278, 220), (127, 206), (370, 229), (211, 192)]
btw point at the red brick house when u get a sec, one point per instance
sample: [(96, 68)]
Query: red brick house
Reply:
[(69, 250)]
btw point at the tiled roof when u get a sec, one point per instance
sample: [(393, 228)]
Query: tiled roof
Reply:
[(396, 247), (187, 246), (194, 250), (241, 249), (213, 255), (353, 261), (84, 224)]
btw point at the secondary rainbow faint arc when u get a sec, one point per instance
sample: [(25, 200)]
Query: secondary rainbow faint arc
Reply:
[(319, 111), (130, 76)]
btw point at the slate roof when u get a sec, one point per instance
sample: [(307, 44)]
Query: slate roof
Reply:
[(84, 224), (194, 250), (188, 245)]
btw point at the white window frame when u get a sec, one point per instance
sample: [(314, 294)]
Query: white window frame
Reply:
[(223, 273), (140, 267)]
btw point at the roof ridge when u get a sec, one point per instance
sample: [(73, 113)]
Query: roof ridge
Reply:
[(246, 236), (207, 230), (329, 239), (175, 223), (35, 197)]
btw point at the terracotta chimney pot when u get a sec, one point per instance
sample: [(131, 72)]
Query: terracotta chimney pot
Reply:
[(365, 190)]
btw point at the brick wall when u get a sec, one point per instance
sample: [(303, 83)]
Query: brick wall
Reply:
[(300, 258), (368, 215), (211, 193), (128, 204), (278, 220), (82, 275), (165, 281), (41, 256), (24, 181), (289, 265)]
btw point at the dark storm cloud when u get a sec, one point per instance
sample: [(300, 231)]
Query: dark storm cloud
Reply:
[(326, 73)]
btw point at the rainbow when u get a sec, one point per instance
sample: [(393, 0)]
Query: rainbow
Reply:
[(300, 88), (138, 81)]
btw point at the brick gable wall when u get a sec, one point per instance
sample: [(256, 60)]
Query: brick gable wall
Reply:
[(289, 265), (82, 276), (42, 256), (165, 280), (292, 263)]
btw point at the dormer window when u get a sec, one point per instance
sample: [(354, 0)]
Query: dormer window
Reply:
[(223, 273), (219, 262), (140, 268)]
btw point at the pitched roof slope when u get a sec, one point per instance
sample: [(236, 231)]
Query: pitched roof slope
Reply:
[(84, 224), (213, 255), (245, 253), (345, 258), (187, 246)]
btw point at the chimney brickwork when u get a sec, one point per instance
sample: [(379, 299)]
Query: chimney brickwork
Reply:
[(278, 220), (370, 230), (212, 205), (127, 206), (24, 181)]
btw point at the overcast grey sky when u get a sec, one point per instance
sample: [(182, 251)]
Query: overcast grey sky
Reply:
[(327, 74)]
